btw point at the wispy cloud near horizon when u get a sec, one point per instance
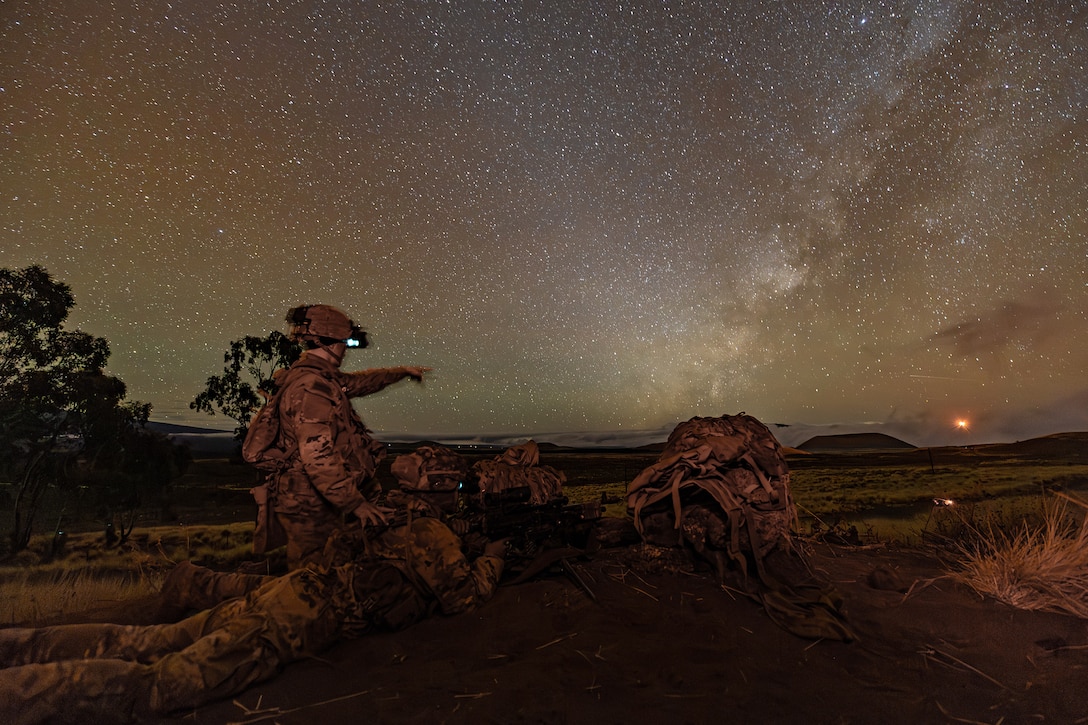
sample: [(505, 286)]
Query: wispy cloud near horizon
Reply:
[(1060, 416)]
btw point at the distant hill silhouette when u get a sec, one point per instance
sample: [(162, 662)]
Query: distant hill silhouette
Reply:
[(852, 442), (210, 442), (201, 442), (1071, 446), (174, 428)]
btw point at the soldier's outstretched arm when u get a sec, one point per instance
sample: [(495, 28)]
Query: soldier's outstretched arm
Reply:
[(366, 382)]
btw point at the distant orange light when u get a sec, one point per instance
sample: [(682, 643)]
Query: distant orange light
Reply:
[(961, 424)]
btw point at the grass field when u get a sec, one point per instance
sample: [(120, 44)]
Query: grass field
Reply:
[(888, 496), (49, 580), (899, 496)]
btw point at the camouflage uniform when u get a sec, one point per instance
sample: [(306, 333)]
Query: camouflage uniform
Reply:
[(332, 472), (118, 673)]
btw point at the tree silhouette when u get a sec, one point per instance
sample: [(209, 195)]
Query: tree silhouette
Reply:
[(61, 416), (239, 397)]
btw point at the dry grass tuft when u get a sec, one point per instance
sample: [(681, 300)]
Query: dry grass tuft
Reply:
[(1042, 567), (43, 585), (30, 601)]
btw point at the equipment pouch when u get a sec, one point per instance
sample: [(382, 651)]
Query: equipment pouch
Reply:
[(268, 533)]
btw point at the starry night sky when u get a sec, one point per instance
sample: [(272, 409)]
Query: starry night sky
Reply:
[(586, 216)]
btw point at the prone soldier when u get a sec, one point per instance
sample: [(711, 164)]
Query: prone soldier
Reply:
[(384, 579)]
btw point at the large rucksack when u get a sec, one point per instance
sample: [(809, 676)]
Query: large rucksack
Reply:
[(722, 486), (518, 467), (263, 446), (732, 465)]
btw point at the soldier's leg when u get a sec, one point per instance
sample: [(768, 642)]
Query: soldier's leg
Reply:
[(19, 646), (76, 691), (290, 528), (284, 620), (222, 662), (227, 649), (189, 586), (74, 642)]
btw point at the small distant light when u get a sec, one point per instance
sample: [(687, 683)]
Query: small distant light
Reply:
[(943, 502)]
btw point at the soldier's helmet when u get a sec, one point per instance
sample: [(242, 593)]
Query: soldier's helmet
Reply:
[(433, 473), (312, 322), (430, 469)]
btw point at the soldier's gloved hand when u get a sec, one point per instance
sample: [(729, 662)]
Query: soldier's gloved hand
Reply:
[(496, 548), (415, 372), (370, 515)]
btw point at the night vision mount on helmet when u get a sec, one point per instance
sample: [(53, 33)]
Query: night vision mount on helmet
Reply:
[(324, 322)]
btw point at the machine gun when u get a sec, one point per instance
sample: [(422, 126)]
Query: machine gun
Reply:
[(538, 536), (529, 527)]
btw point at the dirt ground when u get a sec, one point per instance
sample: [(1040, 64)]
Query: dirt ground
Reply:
[(672, 646)]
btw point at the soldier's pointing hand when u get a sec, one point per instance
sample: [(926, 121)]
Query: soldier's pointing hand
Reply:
[(415, 372)]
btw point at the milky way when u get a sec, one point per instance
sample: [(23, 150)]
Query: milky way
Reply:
[(585, 216)]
